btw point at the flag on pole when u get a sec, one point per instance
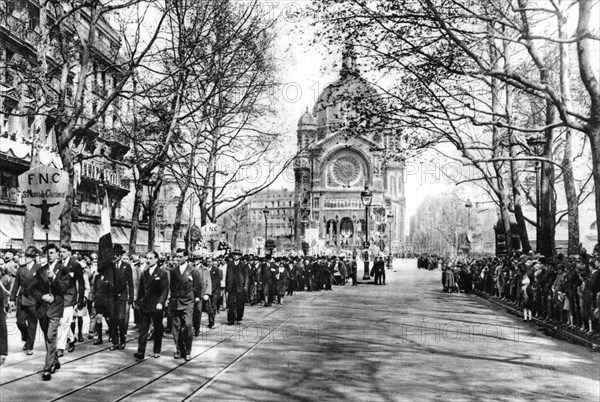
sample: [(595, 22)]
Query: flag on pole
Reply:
[(105, 245)]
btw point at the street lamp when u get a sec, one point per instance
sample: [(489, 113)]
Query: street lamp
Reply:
[(468, 205), (537, 143), (266, 214), (291, 219), (390, 219), (366, 197)]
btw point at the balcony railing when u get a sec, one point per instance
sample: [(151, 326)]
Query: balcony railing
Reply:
[(112, 136), (94, 171), (19, 28)]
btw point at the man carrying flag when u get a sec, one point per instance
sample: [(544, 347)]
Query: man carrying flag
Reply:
[(104, 284)]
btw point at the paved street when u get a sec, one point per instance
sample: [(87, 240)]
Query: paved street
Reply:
[(403, 341)]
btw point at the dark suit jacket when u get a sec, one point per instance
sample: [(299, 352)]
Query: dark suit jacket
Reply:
[(153, 290), (268, 272), (184, 287), (41, 285), (22, 283), (215, 278), (76, 284), (236, 278), (123, 282)]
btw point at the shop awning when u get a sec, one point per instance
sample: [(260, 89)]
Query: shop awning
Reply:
[(84, 235)]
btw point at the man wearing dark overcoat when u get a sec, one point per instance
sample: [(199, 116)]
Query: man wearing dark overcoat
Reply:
[(152, 296), (123, 298), (186, 287), (268, 280), (48, 287), (236, 285), (26, 316), (206, 291)]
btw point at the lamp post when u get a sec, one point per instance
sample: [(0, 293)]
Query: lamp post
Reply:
[(291, 220), (390, 219), (468, 205), (366, 197), (266, 214), (536, 143)]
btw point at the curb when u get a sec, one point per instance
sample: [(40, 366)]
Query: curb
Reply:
[(553, 330)]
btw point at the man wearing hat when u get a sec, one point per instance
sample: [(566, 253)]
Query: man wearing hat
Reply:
[(186, 288), (26, 315), (206, 289), (236, 285), (123, 298), (49, 285)]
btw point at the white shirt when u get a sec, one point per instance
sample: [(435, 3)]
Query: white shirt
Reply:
[(151, 269), (182, 268)]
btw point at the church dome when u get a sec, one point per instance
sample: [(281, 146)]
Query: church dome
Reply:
[(336, 103), (307, 120)]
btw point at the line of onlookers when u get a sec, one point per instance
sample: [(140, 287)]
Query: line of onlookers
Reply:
[(564, 291)]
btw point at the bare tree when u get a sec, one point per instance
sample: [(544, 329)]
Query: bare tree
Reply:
[(57, 80), (441, 46)]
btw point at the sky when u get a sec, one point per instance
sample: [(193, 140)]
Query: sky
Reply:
[(307, 67)]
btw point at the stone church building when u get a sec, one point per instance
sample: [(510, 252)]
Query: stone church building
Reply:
[(336, 163)]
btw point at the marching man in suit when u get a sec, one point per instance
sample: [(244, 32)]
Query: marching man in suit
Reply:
[(152, 296), (26, 316), (236, 284), (186, 287), (206, 292), (123, 298), (48, 288), (74, 296)]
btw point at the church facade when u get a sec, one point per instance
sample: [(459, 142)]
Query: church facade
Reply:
[(336, 164)]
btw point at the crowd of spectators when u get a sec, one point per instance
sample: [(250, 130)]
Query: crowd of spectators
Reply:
[(564, 291)]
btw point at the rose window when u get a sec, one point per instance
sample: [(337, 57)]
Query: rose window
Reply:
[(346, 169)]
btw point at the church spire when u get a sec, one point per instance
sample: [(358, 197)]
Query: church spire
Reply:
[(349, 60)]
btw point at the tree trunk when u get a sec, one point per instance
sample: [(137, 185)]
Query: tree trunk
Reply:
[(39, 125), (547, 193), (153, 197), (514, 168), (571, 194), (586, 56), (66, 216), (28, 223), (135, 218), (567, 165), (179, 213), (594, 136), (151, 222)]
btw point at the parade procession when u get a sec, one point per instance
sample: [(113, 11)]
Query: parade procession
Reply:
[(317, 200)]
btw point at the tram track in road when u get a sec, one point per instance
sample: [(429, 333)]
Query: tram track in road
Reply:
[(63, 364), (222, 371), (184, 364)]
